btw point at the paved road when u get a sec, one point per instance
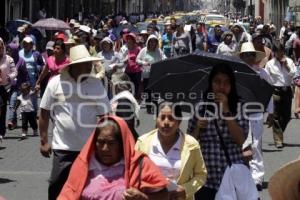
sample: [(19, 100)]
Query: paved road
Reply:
[(24, 172)]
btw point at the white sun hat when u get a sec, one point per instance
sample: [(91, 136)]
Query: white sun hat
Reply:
[(72, 21), (79, 54), (247, 47), (85, 28), (28, 39)]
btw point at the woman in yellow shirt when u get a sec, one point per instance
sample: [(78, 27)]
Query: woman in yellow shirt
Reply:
[(177, 154)]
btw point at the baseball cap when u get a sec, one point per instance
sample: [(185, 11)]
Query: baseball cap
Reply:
[(49, 45), (28, 39)]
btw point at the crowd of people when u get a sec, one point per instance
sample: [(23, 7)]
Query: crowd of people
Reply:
[(92, 84)]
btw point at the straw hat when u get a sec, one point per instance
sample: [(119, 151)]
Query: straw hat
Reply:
[(247, 47), (284, 184), (76, 25), (124, 22), (167, 23), (70, 41), (85, 28), (76, 38), (79, 54)]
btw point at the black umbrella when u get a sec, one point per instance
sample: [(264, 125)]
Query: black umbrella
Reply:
[(188, 76), (176, 86), (193, 62), (250, 87)]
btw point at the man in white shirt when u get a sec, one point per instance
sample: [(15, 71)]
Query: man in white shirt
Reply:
[(281, 70), (282, 30), (73, 99), (291, 32)]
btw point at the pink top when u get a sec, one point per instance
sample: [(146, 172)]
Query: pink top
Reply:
[(132, 66), (55, 66), (104, 183)]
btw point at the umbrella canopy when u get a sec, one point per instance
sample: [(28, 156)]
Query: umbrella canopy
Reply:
[(193, 62), (13, 25), (250, 87), (176, 86), (51, 24), (186, 78)]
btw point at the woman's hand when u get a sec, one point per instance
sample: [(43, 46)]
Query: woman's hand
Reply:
[(202, 124), (222, 99), (134, 194), (178, 194)]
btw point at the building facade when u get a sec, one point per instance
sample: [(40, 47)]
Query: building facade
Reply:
[(294, 9), (65, 9), (275, 11)]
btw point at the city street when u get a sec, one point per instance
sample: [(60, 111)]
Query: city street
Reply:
[(24, 172)]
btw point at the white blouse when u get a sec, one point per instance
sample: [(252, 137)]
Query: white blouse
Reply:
[(170, 162)]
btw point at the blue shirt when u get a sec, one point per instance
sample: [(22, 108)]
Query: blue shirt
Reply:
[(167, 44)]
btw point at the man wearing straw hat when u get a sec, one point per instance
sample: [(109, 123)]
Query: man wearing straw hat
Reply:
[(73, 99), (250, 56)]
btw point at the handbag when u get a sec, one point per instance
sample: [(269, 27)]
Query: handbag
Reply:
[(237, 182)]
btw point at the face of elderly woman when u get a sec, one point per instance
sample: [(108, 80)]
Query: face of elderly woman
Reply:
[(108, 148), (166, 123)]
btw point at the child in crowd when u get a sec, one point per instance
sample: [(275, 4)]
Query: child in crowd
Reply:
[(27, 110)]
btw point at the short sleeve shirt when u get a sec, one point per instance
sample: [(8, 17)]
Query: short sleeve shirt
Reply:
[(26, 104), (74, 108)]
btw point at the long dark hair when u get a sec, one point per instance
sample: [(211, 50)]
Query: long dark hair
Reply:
[(233, 97)]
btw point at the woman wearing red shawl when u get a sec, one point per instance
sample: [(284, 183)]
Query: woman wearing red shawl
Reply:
[(109, 168)]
